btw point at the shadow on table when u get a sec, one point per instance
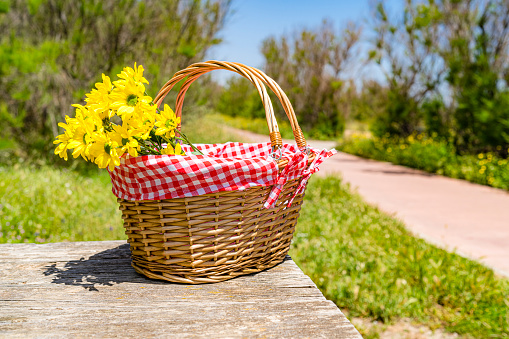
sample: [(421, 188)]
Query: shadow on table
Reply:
[(106, 268)]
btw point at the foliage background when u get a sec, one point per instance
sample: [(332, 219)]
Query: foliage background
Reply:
[(444, 66), (53, 51)]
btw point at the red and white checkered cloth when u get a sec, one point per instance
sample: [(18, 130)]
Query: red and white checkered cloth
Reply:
[(224, 167)]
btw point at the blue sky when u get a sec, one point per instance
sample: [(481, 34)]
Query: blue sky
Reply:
[(254, 20)]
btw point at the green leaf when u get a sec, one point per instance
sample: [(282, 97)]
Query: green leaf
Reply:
[(4, 6)]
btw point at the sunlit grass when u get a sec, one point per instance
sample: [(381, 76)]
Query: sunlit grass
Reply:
[(371, 266), (43, 204), (256, 125), (203, 127)]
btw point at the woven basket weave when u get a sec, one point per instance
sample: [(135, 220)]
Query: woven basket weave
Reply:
[(215, 237)]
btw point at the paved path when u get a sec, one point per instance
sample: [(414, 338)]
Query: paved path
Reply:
[(455, 214)]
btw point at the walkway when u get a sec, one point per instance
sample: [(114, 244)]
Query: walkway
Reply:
[(455, 214)]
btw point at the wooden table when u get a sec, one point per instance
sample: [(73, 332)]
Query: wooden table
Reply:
[(88, 289)]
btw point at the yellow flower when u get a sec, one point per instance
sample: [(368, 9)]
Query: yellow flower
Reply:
[(166, 122), (170, 151), (124, 136), (91, 121), (66, 140), (63, 141), (94, 132), (105, 152), (98, 100), (87, 125), (135, 74), (82, 143), (130, 99), (143, 122)]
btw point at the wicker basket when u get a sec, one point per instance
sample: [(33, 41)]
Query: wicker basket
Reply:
[(215, 237)]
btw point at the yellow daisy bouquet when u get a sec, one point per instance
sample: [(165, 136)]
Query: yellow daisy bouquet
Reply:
[(119, 117)]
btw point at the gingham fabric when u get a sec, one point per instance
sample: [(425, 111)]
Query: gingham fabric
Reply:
[(224, 167), (297, 167)]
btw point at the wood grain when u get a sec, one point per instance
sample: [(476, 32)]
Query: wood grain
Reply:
[(89, 289)]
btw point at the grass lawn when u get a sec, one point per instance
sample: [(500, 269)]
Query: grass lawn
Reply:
[(256, 125), (371, 266), (47, 205), (362, 259)]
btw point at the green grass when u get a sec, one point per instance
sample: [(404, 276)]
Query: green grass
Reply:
[(6, 144), (204, 127), (432, 155), (45, 204), (255, 125), (371, 266)]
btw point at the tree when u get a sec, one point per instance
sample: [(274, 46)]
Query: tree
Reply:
[(447, 70), (240, 98), (475, 50), (405, 49), (308, 68), (52, 51)]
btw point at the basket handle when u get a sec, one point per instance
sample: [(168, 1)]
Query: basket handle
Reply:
[(255, 76)]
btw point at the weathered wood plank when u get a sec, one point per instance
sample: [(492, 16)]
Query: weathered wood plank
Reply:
[(89, 289)]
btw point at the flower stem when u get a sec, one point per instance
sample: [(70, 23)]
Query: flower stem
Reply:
[(150, 149), (189, 143)]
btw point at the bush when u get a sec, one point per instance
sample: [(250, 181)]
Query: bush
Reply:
[(50, 51), (399, 117), (434, 155), (240, 98)]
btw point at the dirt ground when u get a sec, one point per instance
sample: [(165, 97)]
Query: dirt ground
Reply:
[(403, 329)]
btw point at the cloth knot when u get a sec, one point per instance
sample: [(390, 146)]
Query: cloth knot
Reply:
[(297, 167)]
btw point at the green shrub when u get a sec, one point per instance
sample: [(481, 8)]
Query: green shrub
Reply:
[(240, 98), (433, 155), (50, 51), (400, 116)]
